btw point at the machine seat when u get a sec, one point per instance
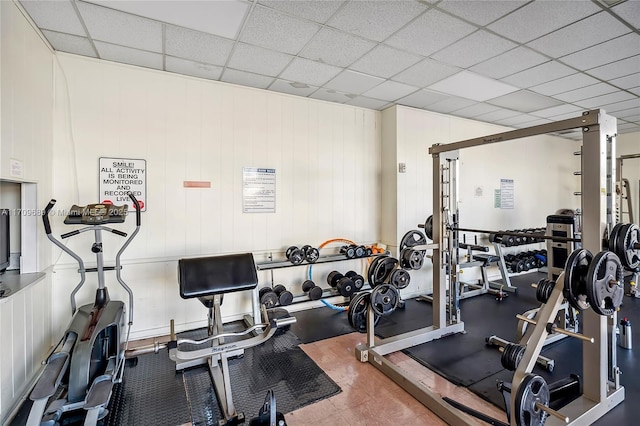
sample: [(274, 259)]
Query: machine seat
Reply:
[(204, 277)]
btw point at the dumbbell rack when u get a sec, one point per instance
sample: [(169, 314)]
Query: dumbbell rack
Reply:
[(271, 265)]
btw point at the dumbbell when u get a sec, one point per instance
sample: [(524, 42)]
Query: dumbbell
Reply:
[(285, 297), (311, 254), (268, 297), (346, 287), (295, 255), (313, 291), (358, 280)]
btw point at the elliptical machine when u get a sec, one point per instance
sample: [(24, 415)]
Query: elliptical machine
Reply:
[(90, 357)]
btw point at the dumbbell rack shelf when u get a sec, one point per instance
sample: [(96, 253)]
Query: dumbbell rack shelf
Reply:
[(271, 265)]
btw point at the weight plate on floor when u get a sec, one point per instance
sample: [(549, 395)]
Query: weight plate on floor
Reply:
[(575, 279), (544, 289), (428, 227), (605, 288), (357, 313), (532, 389), (511, 356), (400, 278), (384, 299), (412, 239), (628, 237), (411, 259), (312, 255)]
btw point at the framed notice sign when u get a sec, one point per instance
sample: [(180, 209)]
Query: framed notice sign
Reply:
[(119, 176), (258, 190)]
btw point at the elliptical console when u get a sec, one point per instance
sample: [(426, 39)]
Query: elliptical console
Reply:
[(89, 359)]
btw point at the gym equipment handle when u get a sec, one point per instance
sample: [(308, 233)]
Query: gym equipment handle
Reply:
[(68, 234), (137, 204), (45, 216), (558, 329), (122, 234)]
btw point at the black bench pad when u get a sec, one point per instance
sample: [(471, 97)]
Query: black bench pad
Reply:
[(207, 276)]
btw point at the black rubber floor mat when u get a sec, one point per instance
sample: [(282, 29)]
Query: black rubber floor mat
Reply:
[(320, 323), (278, 364)]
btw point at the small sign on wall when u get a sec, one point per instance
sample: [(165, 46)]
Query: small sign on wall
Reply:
[(119, 176), (507, 195), (258, 190)]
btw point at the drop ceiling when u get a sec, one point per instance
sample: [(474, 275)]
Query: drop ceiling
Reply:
[(509, 62)]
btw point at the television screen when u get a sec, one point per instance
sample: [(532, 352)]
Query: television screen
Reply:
[(4, 239)]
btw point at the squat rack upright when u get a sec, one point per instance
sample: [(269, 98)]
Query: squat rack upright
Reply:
[(600, 394)]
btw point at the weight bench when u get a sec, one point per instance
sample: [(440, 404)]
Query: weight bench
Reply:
[(209, 279)]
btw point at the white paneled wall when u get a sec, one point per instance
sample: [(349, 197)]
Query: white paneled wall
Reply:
[(326, 156), (541, 167), (26, 129)]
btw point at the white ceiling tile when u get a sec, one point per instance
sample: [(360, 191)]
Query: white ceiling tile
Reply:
[(607, 52), (588, 32), (335, 47), (375, 20), (197, 46), (466, 84), (449, 104), (70, 43), (384, 61), (586, 92), (626, 113), (474, 48), (309, 72), (127, 55), (541, 17), (390, 91), (58, 16), (558, 110), (274, 30), (318, 11), (516, 120), (292, 88), (475, 110), (425, 73), (353, 82), (624, 105), (246, 57), (564, 84), (430, 32), (628, 128), (421, 99), (539, 74), (246, 78), (632, 118), (121, 28), (509, 63), (602, 101), (364, 102), (629, 11), (524, 101), (627, 82), (330, 95), (635, 90), (480, 12), (496, 115), (195, 69), (221, 18), (617, 69)]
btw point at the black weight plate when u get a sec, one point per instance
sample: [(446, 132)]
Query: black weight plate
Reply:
[(315, 293), (613, 237), (308, 285), (412, 238), (285, 298), (358, 281), (605, 288), (575, 279), (357, 314), (290, 250), (532, 389), (269, 299), (400, 278), (384, 299), (372, 267), (312, 255), (279, 313), (304, 248), (428, 227), (333, 277), (383, 270), (411, 259), (628, 254), (346, 287)]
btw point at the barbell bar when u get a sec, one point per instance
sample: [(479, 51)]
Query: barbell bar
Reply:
[(518, 234), (552, 412), (558, 329)]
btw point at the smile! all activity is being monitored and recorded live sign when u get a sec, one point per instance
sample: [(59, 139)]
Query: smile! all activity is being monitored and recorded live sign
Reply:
[(121, 176)]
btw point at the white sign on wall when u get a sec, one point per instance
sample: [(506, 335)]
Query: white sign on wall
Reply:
[(507, 195), (258, 190), (119, 176)]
